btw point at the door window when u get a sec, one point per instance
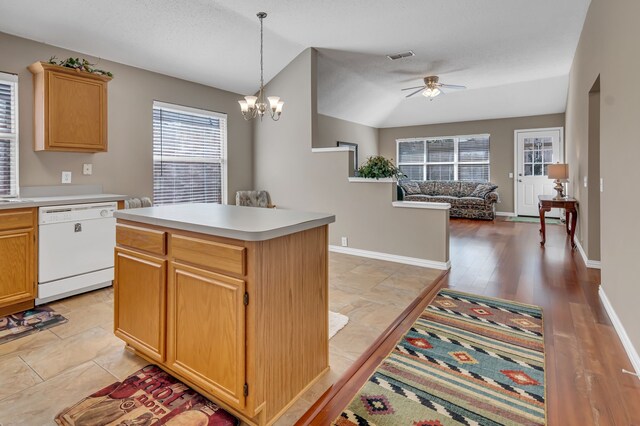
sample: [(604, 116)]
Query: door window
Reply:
[(538, 154)]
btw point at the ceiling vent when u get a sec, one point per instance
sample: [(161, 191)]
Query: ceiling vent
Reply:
[(401, 55)]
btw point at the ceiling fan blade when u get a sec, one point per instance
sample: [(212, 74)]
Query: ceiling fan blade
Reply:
[(452, 86), (410, 88), (419, 90)]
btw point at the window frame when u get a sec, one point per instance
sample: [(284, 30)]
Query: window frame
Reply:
[(12, 79), (223, 143), (456, 154)]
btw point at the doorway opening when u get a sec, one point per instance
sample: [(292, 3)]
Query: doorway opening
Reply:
[(594, 181)]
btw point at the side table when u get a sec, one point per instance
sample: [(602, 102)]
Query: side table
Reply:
[(570, 205)]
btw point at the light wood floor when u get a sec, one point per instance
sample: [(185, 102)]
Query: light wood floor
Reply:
[(584, 357), (43, 373)]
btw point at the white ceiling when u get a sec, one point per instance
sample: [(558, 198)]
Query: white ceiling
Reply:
[(514, 55)]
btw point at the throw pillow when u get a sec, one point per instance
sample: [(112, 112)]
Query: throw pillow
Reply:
[(426, 187), (483, 189), (410, 187)]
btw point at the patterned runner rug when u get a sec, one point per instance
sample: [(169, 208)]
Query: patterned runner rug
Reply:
[(147, 397), (468, 360), (525, 219), (24, 323)]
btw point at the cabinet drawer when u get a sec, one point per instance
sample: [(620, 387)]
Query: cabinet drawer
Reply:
[(13, 219), (149, 240), (209, 254)]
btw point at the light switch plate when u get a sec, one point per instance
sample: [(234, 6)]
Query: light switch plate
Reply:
[(87, 169), (585, 181), (601, 185), (66, 177), (510, 175)]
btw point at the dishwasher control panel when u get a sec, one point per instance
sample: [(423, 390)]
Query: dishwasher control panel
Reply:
[(75, 212)]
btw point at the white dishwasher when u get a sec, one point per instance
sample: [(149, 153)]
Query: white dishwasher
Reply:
[(75, 250)]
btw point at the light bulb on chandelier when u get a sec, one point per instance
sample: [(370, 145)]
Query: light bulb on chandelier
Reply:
[(255, 106)]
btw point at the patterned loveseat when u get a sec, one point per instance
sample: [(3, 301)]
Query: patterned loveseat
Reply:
[(472, 200)]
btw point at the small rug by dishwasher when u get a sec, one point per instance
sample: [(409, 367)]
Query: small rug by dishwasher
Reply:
[(24, 323), (336, 323), (147, 397), (468, 360), (526, 219)]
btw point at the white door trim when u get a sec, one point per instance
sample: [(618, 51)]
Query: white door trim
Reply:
[(515, 157)]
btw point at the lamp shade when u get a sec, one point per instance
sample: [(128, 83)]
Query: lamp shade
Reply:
[(558, 171)]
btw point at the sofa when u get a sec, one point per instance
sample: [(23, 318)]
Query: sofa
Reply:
[(468, 199)]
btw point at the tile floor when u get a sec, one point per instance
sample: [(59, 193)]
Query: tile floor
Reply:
[(44, 372)]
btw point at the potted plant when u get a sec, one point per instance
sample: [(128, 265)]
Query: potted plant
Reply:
[(379, 167), (79, 65)]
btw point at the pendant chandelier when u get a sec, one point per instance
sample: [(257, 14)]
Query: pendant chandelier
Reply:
[(255, 106)]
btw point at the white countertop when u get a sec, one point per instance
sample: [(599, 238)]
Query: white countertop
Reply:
[(241, 223), (60, 200)]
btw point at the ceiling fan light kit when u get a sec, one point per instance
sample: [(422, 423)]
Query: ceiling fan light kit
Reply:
[(431, 93), (255, 106)]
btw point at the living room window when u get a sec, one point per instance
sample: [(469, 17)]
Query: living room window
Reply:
[(445, 158), (189, 155), (8, 135)]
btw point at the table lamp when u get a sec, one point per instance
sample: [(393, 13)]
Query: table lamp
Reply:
[(559, 172)]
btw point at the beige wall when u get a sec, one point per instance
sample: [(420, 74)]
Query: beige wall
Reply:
[(609, 47), (127, 167), (501, 150), (300, 179), (331, 130)]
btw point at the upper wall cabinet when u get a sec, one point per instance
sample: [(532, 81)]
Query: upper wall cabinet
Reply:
[(70, 109)]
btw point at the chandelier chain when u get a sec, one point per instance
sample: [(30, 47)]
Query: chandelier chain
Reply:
[(261, 56)]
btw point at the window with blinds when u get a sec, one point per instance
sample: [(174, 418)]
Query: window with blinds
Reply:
[(8, 135), (445, 158), (189, 155)]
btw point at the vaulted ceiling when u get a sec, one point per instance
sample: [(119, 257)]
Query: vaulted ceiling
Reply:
[(513, 55)]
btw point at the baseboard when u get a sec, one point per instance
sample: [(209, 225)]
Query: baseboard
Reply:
[(425, 263), (622, 334), (506, 214), (594, 264)]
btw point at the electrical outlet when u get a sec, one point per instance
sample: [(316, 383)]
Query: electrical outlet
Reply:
[(585, 182), (66, 177), (87, 169), (345, 242)]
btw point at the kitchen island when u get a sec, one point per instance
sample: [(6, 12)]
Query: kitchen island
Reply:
[(231, 300)]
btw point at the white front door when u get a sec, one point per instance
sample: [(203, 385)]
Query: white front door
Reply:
[(535, 150)]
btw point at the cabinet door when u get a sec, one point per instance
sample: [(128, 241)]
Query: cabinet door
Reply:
[(140, 302), (17, 281), (206, 331), (77, 113)]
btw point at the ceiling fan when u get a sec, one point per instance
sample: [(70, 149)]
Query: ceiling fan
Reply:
[(432, 87)]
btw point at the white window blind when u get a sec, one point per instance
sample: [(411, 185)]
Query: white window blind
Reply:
[(8, 135), (189, 155), (445, 158)]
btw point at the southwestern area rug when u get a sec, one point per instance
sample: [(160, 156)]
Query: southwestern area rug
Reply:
[(147, 397), (24, 323), (468, 360)]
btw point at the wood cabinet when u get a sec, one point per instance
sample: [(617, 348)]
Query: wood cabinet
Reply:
[(206, 341), (140, 291), (18, 284), (70, 109), (245, 322)]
